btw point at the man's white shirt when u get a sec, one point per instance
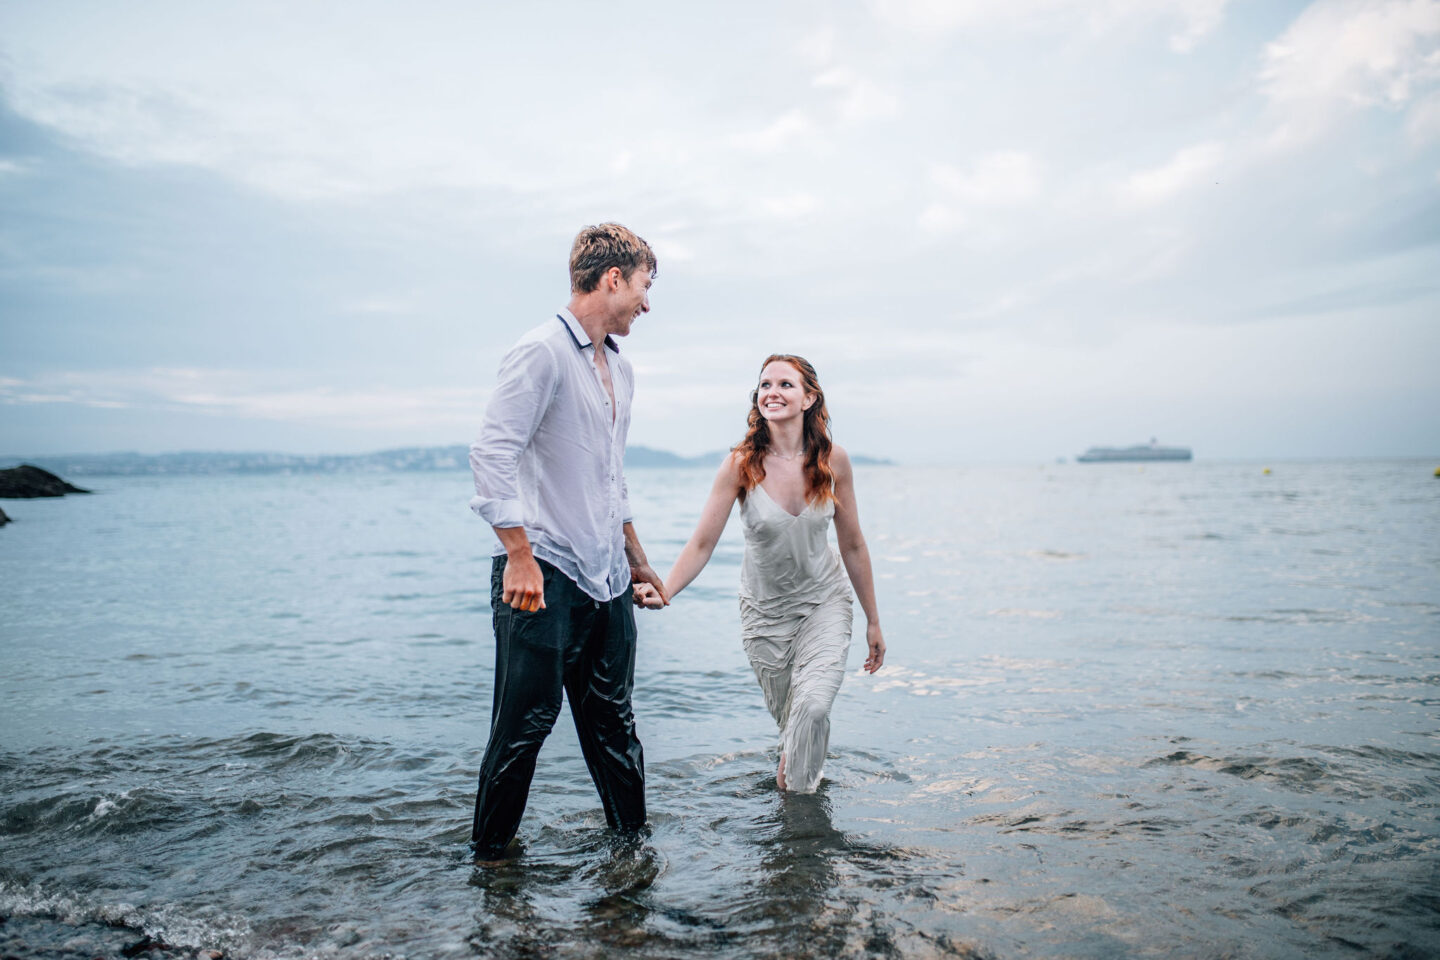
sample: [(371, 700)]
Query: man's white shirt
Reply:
[(550, 455)]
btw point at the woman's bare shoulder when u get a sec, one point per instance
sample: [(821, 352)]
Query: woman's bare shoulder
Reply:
[(729, 468)]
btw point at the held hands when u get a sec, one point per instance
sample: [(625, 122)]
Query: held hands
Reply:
[(876, 642), (524, 585), (649, 589), (647, 597)]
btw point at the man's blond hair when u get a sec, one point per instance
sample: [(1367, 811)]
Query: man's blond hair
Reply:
[(598, 248)]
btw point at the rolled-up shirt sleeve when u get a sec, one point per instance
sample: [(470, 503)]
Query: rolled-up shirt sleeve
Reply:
[(527, 381)]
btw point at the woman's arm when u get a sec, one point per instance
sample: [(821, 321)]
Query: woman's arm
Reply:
[(713, 517), (856, 554)]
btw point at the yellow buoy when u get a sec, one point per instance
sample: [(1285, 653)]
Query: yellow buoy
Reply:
[(1266, 471), (1437, 471)]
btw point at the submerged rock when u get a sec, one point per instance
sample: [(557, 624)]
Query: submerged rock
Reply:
[(25, 482), (146, 944)]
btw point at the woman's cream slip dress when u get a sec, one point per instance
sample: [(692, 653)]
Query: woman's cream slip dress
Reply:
[(795, 620)]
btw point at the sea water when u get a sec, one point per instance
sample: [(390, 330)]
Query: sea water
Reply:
[(1172, 710)]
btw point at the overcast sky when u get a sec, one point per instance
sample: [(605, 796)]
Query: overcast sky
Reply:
[(1001, 231)]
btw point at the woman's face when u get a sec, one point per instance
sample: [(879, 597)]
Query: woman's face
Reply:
[(781, 392)]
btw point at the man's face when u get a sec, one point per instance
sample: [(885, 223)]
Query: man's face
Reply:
[(632, 299)]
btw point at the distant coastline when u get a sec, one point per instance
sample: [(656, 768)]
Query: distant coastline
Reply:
[(401, 460)]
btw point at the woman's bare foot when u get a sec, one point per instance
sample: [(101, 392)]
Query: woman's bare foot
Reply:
[(780, 774)]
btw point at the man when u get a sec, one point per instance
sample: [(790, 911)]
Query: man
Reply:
[(549, 477)]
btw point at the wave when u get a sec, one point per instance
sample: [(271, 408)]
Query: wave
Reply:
[(1328, 771), (88, 926)]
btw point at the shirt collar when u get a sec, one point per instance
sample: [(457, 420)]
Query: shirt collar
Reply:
[(578, 334)]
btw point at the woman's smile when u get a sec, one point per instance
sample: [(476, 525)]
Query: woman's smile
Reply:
[(779, 389)]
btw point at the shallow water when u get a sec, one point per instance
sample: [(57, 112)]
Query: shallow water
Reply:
[(1177, 710)]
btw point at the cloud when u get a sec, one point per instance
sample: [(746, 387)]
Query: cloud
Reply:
[(1423, 124), (302, 104), (381, 306), (817, 48), (1339, 57), (668, 248), (1363, 54), (779, 134), (265, 143), (790, 207), (859, 99), (228, 393), (940, 218), (828, 179), (1189, 168), (1004, 178), (1198, 19)]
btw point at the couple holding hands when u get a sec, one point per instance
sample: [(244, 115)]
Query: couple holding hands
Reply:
[(549, 478)]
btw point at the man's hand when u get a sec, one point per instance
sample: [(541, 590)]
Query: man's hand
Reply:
[(643, 574), (524, 585)]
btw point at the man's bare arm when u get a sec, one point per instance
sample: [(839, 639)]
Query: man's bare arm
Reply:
[(524, 584), (640, 570)]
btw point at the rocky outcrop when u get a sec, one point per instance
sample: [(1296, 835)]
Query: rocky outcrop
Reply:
[(3, 519), (26, 482)]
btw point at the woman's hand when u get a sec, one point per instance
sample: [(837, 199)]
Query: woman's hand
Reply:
[(642, 574), (876, 641), (647, 597)]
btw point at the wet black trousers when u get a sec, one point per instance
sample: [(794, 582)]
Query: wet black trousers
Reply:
[(585, 649)]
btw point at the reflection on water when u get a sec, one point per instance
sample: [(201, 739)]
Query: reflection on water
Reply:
[(816, 893), (797, 901), (611, 874), (802, 888)]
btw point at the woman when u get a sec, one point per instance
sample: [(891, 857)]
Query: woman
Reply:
[(795, 604)]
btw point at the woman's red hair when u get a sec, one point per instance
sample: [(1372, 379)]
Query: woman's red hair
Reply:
[(750, 452)]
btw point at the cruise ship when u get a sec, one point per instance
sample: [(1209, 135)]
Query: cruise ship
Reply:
[(1148, 451)]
